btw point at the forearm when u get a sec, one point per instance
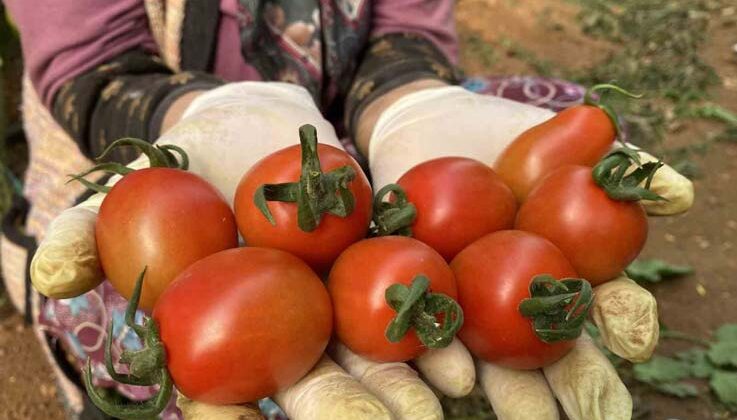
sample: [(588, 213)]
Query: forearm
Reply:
[(129, 96)]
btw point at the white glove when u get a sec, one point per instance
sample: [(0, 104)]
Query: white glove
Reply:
[(451, 121), (224, 132)]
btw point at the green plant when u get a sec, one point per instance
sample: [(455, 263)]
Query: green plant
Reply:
[(714, 360)]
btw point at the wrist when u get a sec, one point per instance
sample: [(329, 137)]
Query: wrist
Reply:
[(176, 110), (370, 115)]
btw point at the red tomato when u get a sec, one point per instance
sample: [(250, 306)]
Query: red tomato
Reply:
[(580, 135), (242, 324), (599, 236), (494, 276), (320, 247), (162, 218), (458, 200), (358, 282)]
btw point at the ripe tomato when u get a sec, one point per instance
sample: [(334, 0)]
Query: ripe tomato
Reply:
[(242, 324), (358, 283), (162, 218), (600, 236), (494, 276), (580, 135), (458, 200), (321, 246)]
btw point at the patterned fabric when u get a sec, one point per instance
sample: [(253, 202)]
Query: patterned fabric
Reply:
[(393, 60), (79, 324), (554, 94), (121, 98), (313, 43)]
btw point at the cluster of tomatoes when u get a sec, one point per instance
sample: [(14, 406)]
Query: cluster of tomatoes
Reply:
[(498, 255)]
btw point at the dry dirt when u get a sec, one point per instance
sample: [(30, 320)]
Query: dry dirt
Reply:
[(705, 237)]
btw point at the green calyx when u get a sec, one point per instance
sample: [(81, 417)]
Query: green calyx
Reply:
[(159, 156), (590, 99), (611, 174), (316, 193), (418, 308), (393, 217), (147, 367), (558, 308)]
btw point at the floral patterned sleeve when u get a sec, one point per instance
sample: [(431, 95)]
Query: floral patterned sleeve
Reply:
[(124, 97)]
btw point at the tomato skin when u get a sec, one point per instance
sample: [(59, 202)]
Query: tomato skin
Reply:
[(162, 218), (493, 276), (242, 324), (580, 135), (599, 236), (320, 247), (358, 281), (458, 200)]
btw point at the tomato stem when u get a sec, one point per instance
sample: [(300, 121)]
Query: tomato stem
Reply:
[(558, 308), (147, 367), (158, 156), (418, 308), (393, 217), (611, 174), (316, 193), (590, 99)]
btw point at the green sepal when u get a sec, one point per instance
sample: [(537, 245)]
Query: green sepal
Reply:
[(393, 217), (316, 193), (611, 175), (558, 308), (158, 156), (417, 308), (147, 367)]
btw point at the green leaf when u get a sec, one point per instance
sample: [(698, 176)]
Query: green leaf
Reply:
[(724, 353), (661, 369), (654, 270), (678, 389), (727, 332), (724, 385), (701, 367)]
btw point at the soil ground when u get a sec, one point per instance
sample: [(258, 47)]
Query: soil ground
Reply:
[(705, 237)]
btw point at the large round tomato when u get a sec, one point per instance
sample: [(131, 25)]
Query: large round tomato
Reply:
[(358, 283), (320, 247), (494, 276), (458, 200), (599, 236), (162, 218), (242, 324), (579, 135)]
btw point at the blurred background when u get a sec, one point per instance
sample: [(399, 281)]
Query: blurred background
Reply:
[(682, 54)]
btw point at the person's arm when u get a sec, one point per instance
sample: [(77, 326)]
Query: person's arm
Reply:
[(413, 46), (94, 65)]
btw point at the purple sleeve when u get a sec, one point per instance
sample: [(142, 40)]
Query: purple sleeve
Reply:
[(64, 38), (431, 18)]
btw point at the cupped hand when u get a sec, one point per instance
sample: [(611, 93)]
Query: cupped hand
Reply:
[(450, 121)]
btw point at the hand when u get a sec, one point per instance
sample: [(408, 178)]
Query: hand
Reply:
[(450, 121), (224, 132)]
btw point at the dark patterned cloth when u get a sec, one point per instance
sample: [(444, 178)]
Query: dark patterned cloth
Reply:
[(125, 97), (317, 44), (313, 43)]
